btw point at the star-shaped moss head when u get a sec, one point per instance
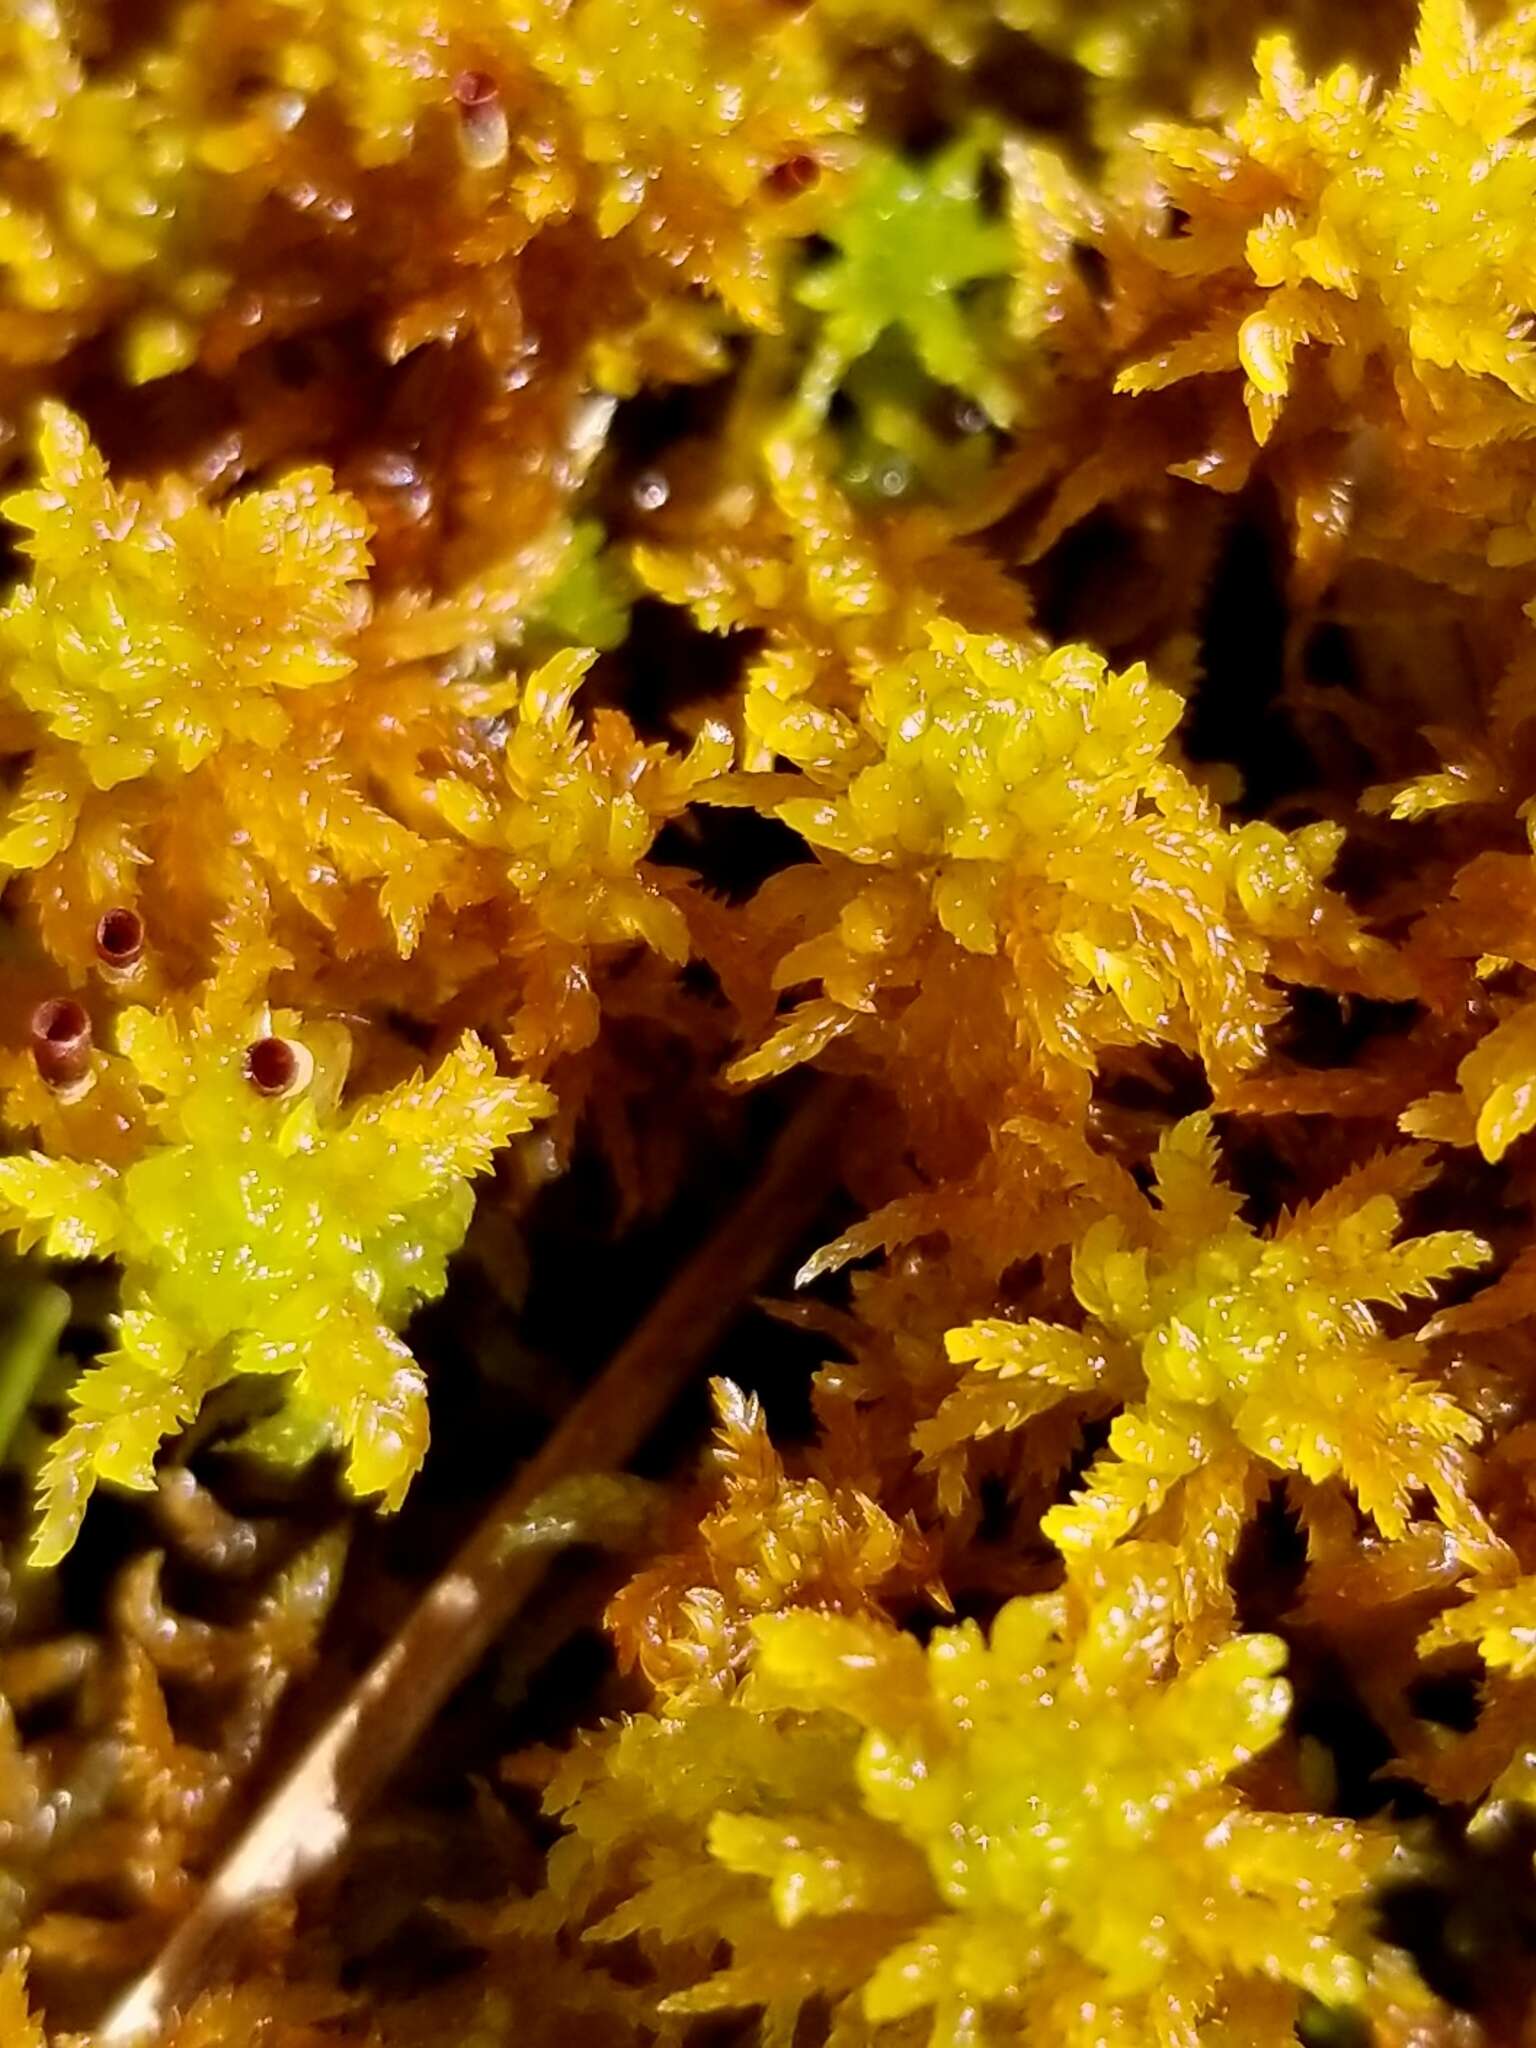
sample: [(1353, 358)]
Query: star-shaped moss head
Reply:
[(267, 1226)]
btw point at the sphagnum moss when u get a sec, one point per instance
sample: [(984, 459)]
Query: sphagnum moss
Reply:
[(573, 561)]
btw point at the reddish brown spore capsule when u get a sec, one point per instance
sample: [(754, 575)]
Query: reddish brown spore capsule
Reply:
[(272, 1066), (484, 138), (61, 1042), (474, 89), (795, 175), (120, 938)]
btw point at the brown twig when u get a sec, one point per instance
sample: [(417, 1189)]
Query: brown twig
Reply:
[(566, 1493)]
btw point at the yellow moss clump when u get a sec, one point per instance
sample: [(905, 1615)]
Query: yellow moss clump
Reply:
[(1016, 1833), (1383, 224), (100, 204), (772, 1542), (1025, 805), (158, 655), (152, 630), (264, 1228), (1237, 1355), (569, 831)]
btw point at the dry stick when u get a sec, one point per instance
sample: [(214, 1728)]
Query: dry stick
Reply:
[(559, 1497)]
